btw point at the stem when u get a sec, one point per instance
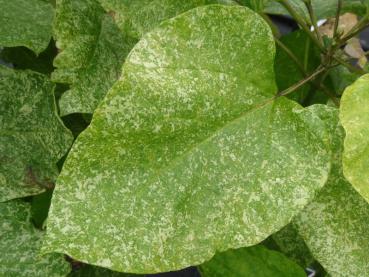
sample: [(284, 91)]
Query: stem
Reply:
[(336, 21), (302, 24), (313, 20), (299, 84), (348, 65)]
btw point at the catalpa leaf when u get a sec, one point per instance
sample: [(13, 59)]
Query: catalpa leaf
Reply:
[(94, 49), (32, 137), (335, 224), (92, 53), (188, 154), (354, 116), (20, 245), (256, 261), (26, 23)]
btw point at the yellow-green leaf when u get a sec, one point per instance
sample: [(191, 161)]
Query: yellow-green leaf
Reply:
[(188, 154)]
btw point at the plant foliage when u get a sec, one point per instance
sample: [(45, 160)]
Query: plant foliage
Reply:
[(202, 137)]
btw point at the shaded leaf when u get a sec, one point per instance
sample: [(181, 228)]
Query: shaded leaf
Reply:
[(335, 224), (33, 138), (95, 271), (354, 116), (40, 205), (23, 58), (291, 244), (174, 155), (26, 23), (256, 261), (287, 71), (322, 8), (20, 244)]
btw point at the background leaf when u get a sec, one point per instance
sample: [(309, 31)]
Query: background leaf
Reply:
[(26, 23), (256, 261), (334, 225), (354, 116), (20, 244), (188, 153), (32, 137)]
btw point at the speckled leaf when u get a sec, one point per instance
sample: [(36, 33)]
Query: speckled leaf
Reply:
[(93, 47), (335, 224), (26, 23), (188, 154), (293, 246), (354, 116), (322, 8), (256, 261), (32, 137), (20, 244), (136, 18), (92, 53)]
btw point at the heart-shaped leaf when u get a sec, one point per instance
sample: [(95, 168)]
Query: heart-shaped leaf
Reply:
[(188, 154)]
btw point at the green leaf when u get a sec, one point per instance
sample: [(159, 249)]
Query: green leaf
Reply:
[(20, 244), (40, 205), (322, 8), (291, 244), (256, 261), (26, 23), (188, 153), (92, 53), (33, 138), (335, 224), (354, 116), (287, 71)]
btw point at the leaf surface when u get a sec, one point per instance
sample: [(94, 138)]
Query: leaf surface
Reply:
[(291, 244), (26, 23), (20, 245), (32, 137), (335, 224), (188, 154), (94, 49), (354, 116), (256, 261)]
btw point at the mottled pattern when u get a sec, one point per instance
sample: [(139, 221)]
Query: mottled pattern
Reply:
[(293, 246), (32, 137), (335, 224), (92, 53), (94, 49), (322, 8), (256, 261), (188, 154), (20, 244), (26, 23), (354, 116)]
